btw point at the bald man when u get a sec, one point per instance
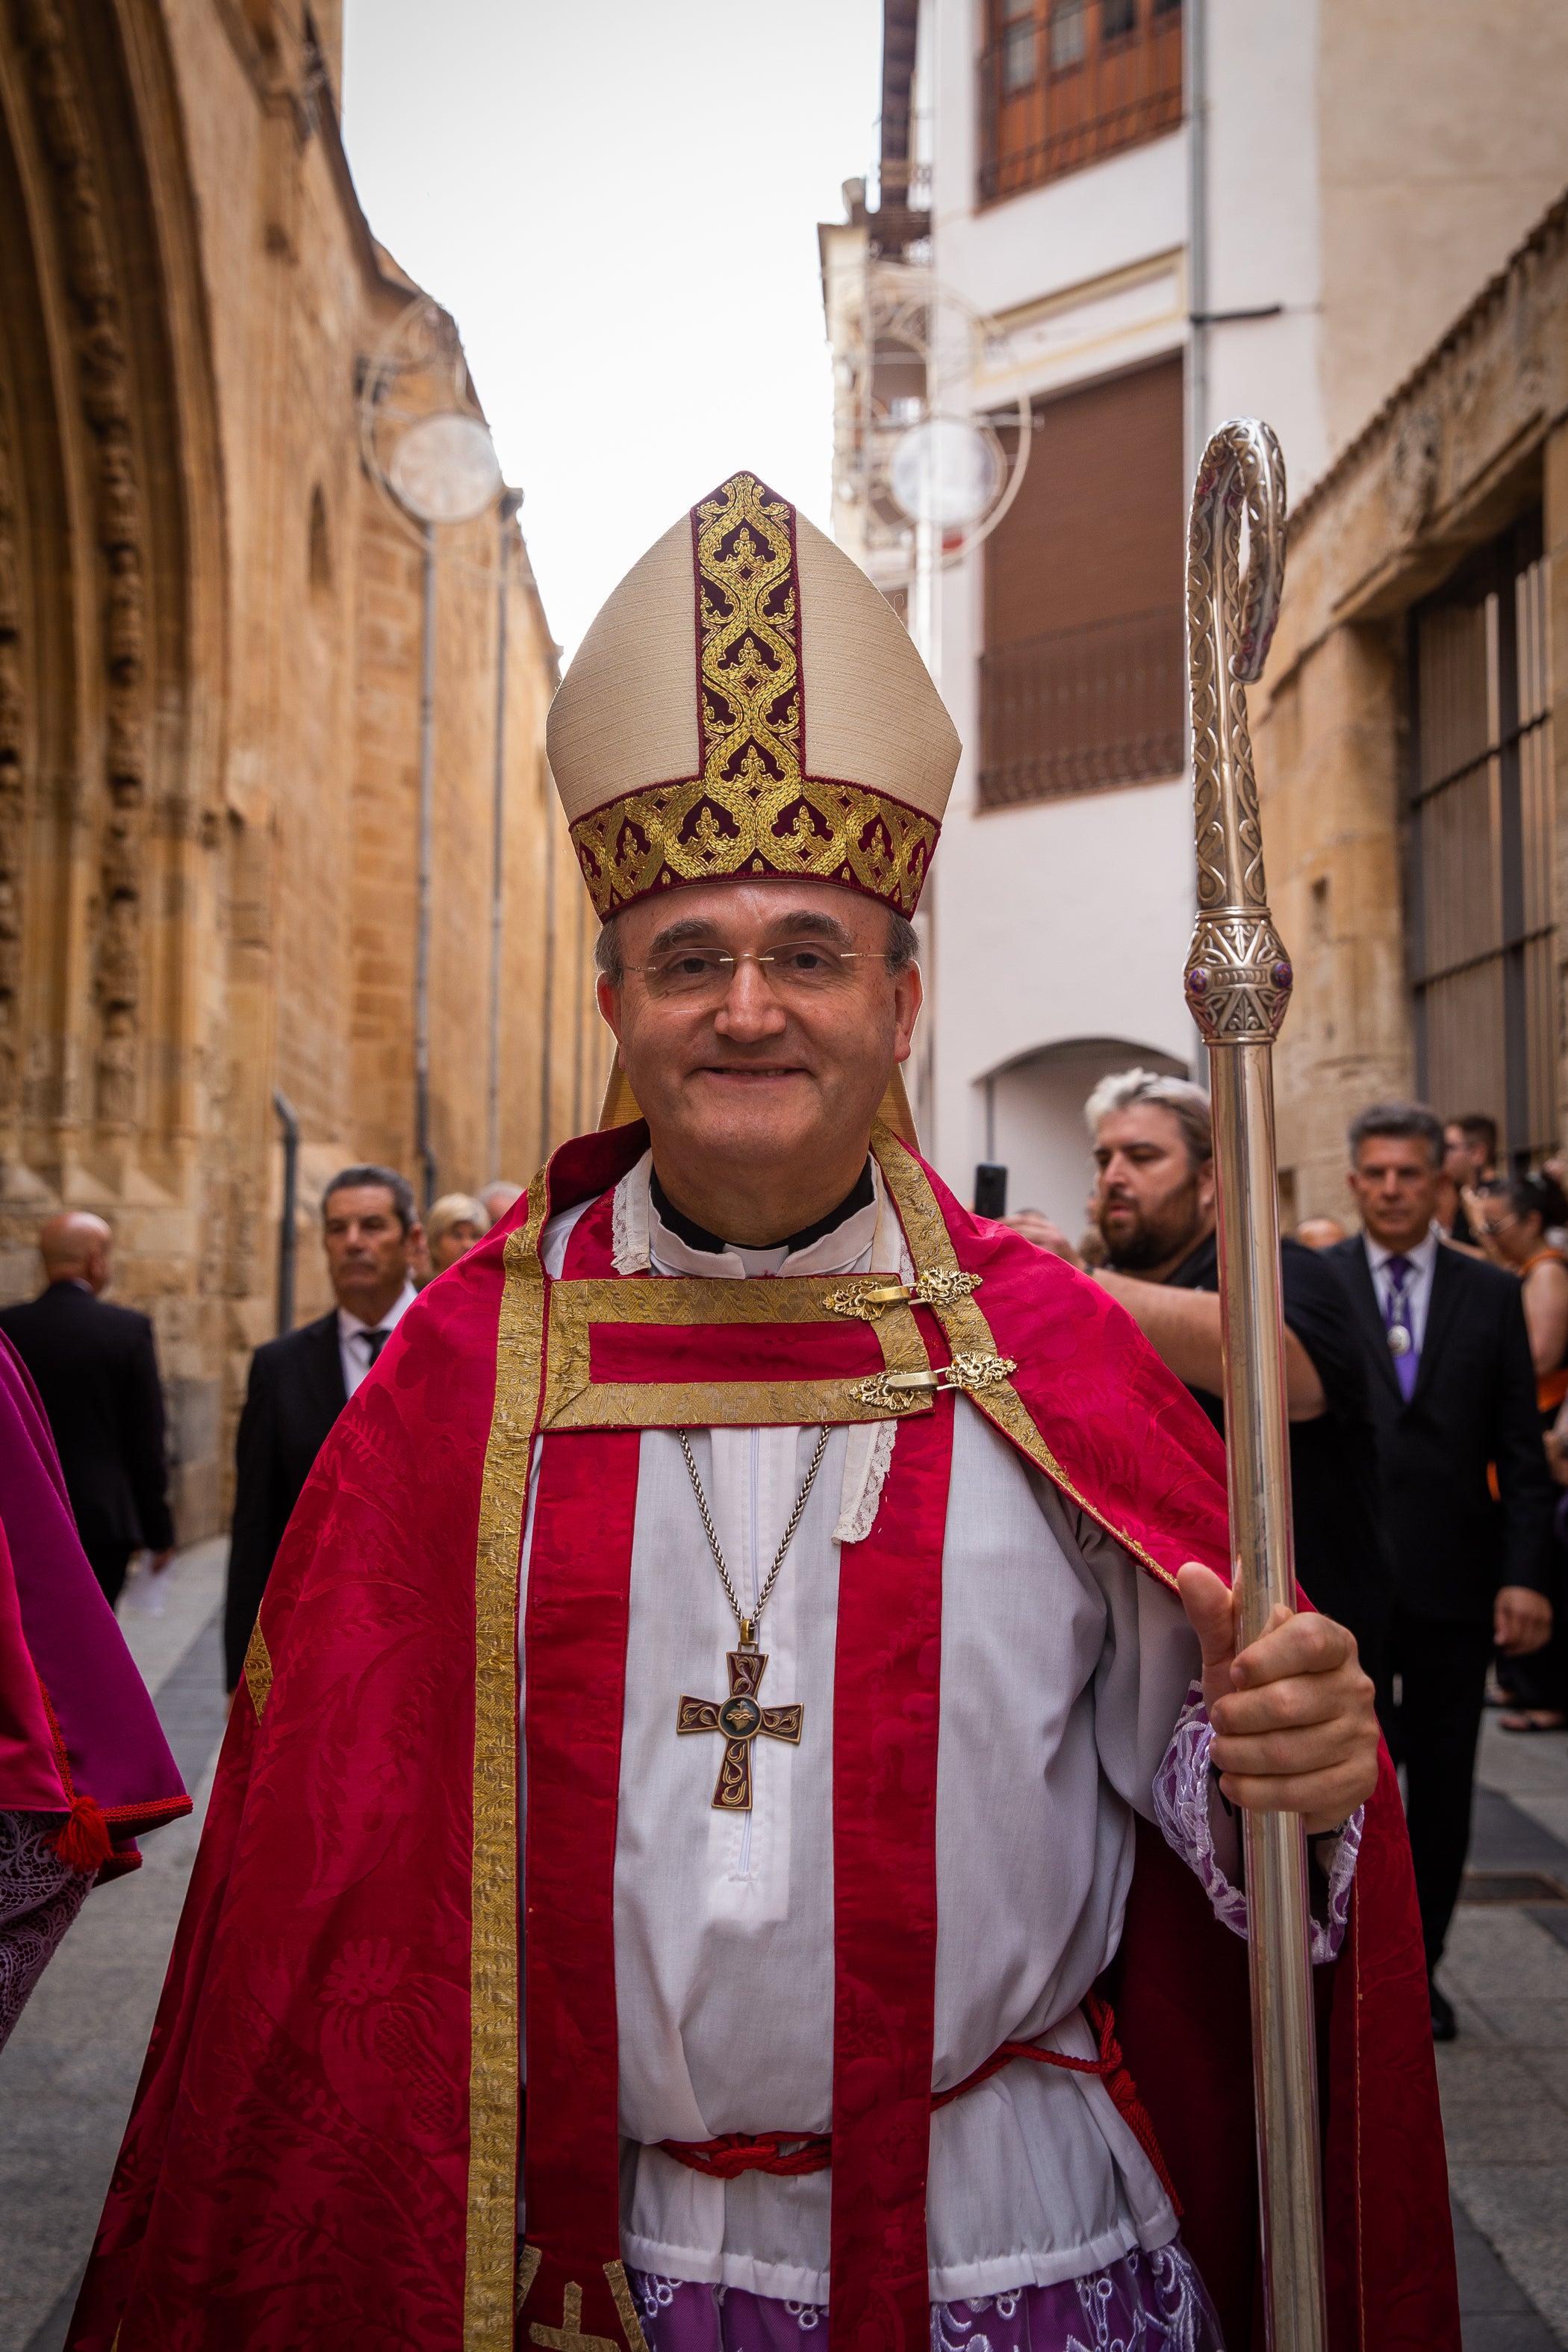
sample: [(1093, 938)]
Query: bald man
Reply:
[(97, 1371)]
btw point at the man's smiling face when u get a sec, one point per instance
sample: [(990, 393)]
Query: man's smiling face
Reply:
[(765, 1064)]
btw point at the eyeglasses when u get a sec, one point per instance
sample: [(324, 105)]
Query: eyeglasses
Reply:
[(800, 968)]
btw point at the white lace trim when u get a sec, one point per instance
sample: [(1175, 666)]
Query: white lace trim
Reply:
[(866, 1460), (1182, 1794), (629, 1251), (868, 1456)]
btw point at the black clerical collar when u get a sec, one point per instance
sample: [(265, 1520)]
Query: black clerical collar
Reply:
[(698, 1237)]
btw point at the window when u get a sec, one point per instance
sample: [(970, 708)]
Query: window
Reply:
[(1082, 681), (1482, 943), (1017, 44), (1112, 79), (1069, 34)]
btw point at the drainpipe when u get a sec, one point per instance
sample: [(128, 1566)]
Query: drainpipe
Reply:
[(287, 1238), (1197, 229), (1197, 60), (424, 1152)]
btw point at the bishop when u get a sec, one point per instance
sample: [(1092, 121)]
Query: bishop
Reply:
[(490, 2022)]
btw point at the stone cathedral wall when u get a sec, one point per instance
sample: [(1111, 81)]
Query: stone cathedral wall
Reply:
[(210, 631), (1473, 442)]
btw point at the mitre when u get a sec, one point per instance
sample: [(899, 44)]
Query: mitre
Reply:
[(748, 705)]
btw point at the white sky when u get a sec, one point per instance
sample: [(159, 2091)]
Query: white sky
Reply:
[(618, 203)]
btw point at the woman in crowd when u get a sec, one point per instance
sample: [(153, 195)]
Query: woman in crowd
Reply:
[(1519, 1222), (453, 1225)]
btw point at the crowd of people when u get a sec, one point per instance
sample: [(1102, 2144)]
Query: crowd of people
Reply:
[(1426, 1383), (94, 1367)]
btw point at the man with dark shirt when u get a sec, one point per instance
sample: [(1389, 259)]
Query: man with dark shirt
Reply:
[(1154, 1205), (96, 1370)]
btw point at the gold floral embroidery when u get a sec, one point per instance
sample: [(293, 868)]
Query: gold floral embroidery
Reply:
[(488, 2289), (620, 2288), (258, 1670), (749, 612), (752, 809), (574, 1400), (689, 833), (528, 2263)]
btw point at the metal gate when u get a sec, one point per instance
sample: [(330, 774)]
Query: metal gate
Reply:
[(1482, 942)]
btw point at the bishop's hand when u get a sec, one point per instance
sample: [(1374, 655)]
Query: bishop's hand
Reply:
[(1295, 1728)]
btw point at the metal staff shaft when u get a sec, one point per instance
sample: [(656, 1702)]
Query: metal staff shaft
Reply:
[(1238, 985)]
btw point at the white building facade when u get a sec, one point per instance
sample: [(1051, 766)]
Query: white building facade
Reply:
[(1163, 216)]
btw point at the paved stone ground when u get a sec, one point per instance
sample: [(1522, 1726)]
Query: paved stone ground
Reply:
[(67, 2075), (70, 2069), (1505, 2080)]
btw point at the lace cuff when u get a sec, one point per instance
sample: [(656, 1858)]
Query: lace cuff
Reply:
[(1182, 1790), (39, 1896)]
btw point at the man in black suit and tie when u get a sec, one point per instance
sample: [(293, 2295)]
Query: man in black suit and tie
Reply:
[(300, 1382), (1452, 1396), (96, 1369)]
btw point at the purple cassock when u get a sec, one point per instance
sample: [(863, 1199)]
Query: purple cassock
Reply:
[(84, 1766)]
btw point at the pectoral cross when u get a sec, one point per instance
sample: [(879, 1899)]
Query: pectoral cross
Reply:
[(738, 1719)]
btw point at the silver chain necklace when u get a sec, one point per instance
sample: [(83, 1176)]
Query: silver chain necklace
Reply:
[(748, 1625), (740, 1718)]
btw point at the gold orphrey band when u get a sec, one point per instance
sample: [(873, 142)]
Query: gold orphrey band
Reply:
[(752, 810)]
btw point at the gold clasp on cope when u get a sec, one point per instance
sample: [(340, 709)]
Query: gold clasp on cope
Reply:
[(898, 1392), (937, 1287)]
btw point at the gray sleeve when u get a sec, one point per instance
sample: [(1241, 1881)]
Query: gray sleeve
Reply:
[(1149, 1659)]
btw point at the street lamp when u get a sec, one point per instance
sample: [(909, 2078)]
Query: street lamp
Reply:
[(434, 466)]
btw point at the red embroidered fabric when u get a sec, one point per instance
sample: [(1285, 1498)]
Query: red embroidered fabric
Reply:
[(296, 2169)]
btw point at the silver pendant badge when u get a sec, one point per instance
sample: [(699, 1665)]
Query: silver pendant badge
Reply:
[(1399, 1339)]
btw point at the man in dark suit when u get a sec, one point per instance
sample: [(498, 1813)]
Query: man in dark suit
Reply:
[(1453, 1394), (96, 1369), (300, 1382)]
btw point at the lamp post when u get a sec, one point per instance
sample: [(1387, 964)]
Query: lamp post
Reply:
[(435, 467)]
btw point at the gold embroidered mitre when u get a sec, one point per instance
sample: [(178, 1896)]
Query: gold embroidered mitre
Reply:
[(748, 704)]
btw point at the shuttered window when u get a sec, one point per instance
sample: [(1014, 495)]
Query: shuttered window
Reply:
[(1483, 950), (1082, 677)]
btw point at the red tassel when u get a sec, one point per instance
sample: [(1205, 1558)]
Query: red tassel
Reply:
[(84, 1841)]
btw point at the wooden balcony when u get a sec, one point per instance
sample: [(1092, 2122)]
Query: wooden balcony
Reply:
[(1065, 83), (1083, 710)]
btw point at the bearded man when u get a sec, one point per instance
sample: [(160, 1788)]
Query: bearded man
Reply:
[(684, 1871), (1154, 1205)]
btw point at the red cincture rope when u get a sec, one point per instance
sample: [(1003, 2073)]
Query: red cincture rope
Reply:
[(786, 2155)]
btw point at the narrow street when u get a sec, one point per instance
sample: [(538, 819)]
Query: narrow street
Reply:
[(69, 2071), (1505, 2080), (67, 2076)]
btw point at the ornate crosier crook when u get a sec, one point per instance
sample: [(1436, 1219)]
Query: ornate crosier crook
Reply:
[(1238, 985), (1238, 979)]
